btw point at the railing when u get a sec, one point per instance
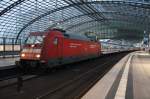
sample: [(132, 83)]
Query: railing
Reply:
[(9, 48)]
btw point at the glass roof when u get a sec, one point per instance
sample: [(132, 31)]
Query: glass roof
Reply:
[(20, 17)]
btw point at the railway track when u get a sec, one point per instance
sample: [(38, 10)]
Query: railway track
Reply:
[(8, 73), (70, 86), (65, 83)]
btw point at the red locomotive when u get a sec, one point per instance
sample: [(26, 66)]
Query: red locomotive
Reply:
[(55, 47)]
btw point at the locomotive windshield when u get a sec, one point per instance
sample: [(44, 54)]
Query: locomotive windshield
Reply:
[(35, 40)]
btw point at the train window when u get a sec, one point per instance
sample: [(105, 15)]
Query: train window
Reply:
[(55, 42), (35, 39)]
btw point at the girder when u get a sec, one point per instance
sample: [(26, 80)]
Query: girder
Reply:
[(88, 21), (109, 10), (10, 7), (134, 4)]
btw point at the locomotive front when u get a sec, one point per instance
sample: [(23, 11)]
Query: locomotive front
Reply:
[(31, 52)]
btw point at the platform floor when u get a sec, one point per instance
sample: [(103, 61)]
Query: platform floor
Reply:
[(141, 76), (128, 79), (7, 62)]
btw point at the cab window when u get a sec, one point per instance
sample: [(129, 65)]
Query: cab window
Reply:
[(35, 40), (55, 41)]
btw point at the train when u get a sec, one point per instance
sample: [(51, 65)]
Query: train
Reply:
[(56, 47)]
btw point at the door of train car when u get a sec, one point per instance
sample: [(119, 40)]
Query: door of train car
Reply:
[(56, 51), (52, 50), (58, 43)]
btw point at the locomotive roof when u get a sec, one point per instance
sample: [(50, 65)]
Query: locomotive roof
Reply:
[(67, 35), (57, 29), (76, 36), (72, 35)]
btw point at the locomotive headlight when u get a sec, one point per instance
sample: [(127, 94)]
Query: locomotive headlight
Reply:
[(32, 45), (38, 55), (22, 55)]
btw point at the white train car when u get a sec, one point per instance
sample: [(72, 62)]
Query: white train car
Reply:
[(111, 47)]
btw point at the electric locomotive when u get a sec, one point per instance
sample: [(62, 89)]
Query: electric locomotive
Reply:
[(56, 47)]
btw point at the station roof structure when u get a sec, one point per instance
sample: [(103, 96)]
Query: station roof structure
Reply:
[(111, 19)]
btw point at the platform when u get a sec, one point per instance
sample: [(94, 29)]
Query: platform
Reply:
[(128, 79), (7, 62)]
